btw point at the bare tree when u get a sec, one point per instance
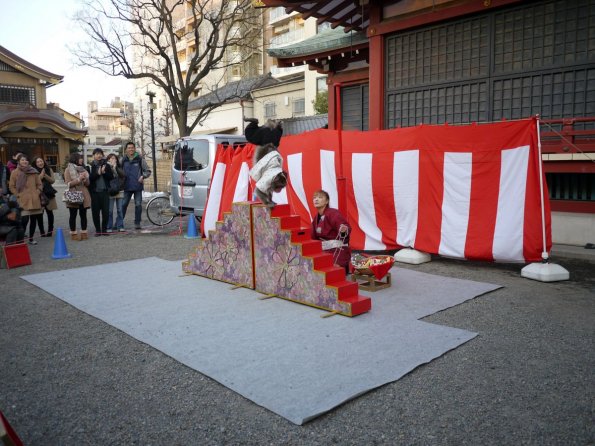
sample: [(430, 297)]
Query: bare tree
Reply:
[(181, 46)]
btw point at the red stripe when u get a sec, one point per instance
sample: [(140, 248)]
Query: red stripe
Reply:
[(384, 203), (483, 207), (431, 191), (238, 157)]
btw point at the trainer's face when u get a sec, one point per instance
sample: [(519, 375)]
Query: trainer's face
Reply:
[(320, 201)]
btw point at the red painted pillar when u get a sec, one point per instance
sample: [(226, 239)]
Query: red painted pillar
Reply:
[(376, 70)]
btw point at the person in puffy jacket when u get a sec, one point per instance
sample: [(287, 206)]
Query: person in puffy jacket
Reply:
[(136, 171), (26, 186)]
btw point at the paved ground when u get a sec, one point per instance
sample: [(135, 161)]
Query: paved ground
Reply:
[(528, 378)]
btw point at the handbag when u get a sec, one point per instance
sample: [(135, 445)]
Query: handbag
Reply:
[(73, 196), (113, 188), (44, 200), (49, 190)]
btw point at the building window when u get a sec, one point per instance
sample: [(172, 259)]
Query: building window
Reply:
[(571, 186), (100, 140), (269, 110), (321, 84), (11, 94), (299, 107), (236, 70)]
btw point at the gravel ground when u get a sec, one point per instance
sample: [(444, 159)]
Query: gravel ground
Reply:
[(70, 379)]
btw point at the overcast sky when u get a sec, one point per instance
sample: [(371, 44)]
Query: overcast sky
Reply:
[(38, 31)]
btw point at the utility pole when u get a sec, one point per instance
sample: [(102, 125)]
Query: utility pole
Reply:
[(153, 106)]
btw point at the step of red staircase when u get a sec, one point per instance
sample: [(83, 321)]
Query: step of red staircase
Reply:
[(333, 274), (345, 289), (280, 210), (311, 247), (290, 222), (299, 235), (359, 304), (321, 260)]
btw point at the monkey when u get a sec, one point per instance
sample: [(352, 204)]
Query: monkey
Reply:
[(267, 168), (268, 173), (270, 132)]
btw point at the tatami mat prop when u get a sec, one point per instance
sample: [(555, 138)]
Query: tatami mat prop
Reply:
[(281, 355)]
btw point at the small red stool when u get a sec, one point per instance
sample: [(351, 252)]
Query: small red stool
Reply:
[(15, 255)]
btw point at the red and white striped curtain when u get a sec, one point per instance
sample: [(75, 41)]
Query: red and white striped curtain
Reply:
[(467, 191)]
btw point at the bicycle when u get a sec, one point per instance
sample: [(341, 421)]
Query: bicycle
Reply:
[(160, 211)]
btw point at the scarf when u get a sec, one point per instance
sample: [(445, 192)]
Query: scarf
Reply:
[(22, 176)]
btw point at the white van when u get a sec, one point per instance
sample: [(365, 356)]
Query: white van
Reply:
[(192, 169)]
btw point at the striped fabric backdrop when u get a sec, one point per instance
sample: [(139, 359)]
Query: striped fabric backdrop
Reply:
[(467, 192)]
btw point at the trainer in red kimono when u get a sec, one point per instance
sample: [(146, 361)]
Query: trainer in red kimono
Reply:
[(332, 228)]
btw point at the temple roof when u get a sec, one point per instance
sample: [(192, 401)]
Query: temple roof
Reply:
[(28, 68), (325, 41), (351, 14), (41, 121), (233, 91)]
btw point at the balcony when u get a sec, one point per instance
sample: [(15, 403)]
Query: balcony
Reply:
[(287, 38), (278, 14), (280, 72)]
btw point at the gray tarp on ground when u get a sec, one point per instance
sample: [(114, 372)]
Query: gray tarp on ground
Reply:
[(281, 355)]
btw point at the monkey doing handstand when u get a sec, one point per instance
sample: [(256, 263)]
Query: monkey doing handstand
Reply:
[(267, 168)]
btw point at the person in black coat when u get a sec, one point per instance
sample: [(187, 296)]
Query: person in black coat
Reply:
[(99, 178)]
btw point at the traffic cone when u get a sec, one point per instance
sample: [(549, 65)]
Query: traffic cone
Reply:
[(60, 250), (191, 232)]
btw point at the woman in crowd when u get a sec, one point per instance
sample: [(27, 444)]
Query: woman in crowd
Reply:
[(25, 185), (100, 177), (330, 225), (117, 199), (76, 178), (47, 179)]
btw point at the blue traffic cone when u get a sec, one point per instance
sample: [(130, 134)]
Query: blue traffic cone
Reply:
[(60, 250), (191, 232)]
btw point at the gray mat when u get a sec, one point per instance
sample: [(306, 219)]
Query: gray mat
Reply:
[(281, 355)]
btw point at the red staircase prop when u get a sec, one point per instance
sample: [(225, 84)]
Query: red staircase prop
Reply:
[(267, 250), (349, 301)]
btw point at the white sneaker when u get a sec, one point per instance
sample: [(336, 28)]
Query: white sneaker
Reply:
[(109, 231)]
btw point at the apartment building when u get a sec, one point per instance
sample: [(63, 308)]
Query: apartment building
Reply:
[(108, 128)]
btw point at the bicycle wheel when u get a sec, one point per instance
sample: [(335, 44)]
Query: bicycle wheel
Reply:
[(159, 212)]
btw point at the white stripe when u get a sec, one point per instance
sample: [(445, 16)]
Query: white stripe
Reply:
[(281, 197), (328, 177), (455, 204), (294, 164), (361, 172), (510, 219), (215, 191), (241, 190), (406, 193)]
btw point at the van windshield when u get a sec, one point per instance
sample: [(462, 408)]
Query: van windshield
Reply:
[(191, 155)]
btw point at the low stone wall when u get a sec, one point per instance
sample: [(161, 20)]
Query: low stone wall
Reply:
[(163, 176)]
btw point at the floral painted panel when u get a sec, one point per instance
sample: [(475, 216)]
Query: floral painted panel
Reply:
[(227, 254), (280, 268)]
